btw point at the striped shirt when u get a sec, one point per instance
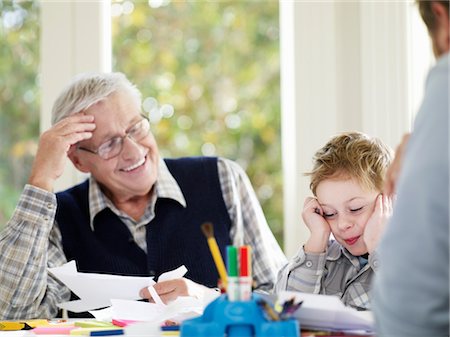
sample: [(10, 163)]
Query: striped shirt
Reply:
[(31, 241), (335, 272)]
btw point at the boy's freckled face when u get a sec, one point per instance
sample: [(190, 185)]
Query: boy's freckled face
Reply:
[(347, 207)]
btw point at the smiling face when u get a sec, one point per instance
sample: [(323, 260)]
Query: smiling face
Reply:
[(347, 207), (133, 172)]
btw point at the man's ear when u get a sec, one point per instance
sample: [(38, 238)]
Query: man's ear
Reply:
[(77, 161), (442, 29)]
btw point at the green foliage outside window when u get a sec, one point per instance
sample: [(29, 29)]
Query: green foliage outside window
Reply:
[(19, 98), (210, 77), (209, 73)]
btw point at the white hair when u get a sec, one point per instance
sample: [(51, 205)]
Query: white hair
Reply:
[(89, 88)]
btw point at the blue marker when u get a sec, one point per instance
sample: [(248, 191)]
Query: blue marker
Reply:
[(107, 332), (170, 328)]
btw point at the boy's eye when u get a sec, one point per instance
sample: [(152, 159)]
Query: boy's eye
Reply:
[(328, 215), (356, 209)]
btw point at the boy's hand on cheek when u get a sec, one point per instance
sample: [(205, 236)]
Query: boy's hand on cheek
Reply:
[(320, 229), (375, 225)]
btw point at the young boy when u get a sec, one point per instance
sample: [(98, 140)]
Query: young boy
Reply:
[(346, 180)]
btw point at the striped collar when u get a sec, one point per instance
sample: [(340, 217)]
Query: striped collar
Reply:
[(336, 250)]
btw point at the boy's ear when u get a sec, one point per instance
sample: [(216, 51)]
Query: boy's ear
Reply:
[(77, 161)]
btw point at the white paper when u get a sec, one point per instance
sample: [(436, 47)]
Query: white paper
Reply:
[(102, 314), (143, 329), (82, 305), (327, 312), (173, 274), (182, 308), (96, 290), (136, 310)]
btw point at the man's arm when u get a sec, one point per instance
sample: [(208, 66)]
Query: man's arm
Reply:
[(249, 225), (28, 245), (411, 293)]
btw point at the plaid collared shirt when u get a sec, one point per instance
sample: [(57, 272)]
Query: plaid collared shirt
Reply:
[(31, 242), (335, 272)]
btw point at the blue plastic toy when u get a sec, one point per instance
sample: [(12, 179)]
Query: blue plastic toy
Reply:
[(237, 319)]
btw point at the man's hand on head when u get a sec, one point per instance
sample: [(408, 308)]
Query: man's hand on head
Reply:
[(55, 144)]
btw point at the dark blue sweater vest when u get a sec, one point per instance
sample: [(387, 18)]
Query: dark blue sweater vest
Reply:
[(174, 236)]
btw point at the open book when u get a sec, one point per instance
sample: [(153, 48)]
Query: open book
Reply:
[(325, 312)]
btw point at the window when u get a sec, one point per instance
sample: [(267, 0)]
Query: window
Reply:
[(19, 98), (210, 78)]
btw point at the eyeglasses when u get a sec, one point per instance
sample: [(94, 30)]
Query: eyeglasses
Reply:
[(112, 147)]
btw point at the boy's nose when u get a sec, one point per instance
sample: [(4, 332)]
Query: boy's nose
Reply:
[(345, 223)]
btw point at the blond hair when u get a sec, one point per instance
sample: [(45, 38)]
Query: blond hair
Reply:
[(352, 155)]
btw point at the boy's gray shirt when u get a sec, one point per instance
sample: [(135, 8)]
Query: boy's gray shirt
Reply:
[(334, 272)]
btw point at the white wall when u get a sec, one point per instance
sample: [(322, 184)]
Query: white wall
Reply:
[(75, 38)]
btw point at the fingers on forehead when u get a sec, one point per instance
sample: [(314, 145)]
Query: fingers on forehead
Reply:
[(310, 200)]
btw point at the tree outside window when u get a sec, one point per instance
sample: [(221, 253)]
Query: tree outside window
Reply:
[(210, 77), (19, 98)]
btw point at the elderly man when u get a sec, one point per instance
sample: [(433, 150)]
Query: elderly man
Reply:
[(411, 295), (136, 215)]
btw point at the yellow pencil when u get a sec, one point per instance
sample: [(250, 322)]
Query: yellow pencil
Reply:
[(13, 326), (37, 322), (208, 230)]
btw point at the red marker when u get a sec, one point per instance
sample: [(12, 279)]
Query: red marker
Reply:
[(245, 273)]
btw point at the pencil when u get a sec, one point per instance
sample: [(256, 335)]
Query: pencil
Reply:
[(13, 326), (208, 230)]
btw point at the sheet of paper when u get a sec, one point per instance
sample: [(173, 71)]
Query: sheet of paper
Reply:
[(102, 314), (136, 310), (327, 312), (173, 274), (96, 290), (83, 305), (182, 308)]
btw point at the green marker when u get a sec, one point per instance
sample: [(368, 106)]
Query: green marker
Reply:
[(232, 269)]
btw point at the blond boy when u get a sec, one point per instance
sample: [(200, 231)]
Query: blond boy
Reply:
[(345, 217)]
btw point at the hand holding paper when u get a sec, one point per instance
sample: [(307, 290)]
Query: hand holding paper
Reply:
[(172, 285), (104, 290), (96, 290)]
